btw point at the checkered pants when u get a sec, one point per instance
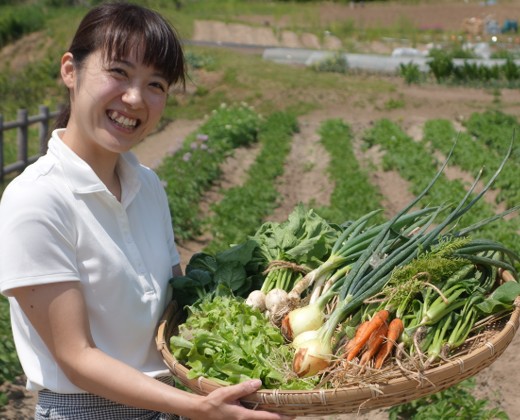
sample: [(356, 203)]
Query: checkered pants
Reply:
[(55, 406)]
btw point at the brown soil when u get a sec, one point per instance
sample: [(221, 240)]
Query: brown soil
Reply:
[(305, 176)]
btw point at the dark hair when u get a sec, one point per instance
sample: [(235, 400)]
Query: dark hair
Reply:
[(120, 28)]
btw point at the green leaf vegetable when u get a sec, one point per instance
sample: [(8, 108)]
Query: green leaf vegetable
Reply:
[(304, 240), (233, 271), (230, 342)]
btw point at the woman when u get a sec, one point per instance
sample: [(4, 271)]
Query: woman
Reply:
[(86, 243)]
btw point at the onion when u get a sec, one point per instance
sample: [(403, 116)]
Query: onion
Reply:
[(275, 299), (256, 299), (302, 338), (302, 319), (312, 357)]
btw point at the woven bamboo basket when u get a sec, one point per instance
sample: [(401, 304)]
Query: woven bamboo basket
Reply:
[(358, 398)]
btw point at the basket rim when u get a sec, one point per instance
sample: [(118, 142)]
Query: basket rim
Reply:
[(361, 398)]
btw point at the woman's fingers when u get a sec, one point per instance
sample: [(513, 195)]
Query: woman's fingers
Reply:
[(231, 395), (235, 392)]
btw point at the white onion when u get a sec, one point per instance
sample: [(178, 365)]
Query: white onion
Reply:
[(256, 299), (312, 357), (302, 338), (302, 319), (275, 299)]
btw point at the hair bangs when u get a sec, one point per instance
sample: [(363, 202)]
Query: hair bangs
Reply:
[(132, 33)]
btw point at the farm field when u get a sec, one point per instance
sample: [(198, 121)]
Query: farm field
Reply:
[(305, 180), (379, 111)]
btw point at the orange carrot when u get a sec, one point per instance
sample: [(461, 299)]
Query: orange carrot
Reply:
[(359, 332), (377, 320), (395, 329), (375, 341)]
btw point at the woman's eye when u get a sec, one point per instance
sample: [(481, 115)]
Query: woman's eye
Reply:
[(117, 71), (159, 86)]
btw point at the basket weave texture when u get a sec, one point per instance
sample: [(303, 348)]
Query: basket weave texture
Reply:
[(353, 399)]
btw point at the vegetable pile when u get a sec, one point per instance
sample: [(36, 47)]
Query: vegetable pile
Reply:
[(327, 304), (232, 342)]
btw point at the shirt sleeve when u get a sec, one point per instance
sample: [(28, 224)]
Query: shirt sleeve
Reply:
[(36, 237)]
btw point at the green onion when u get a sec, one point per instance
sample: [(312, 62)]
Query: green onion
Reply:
[(374, 266)]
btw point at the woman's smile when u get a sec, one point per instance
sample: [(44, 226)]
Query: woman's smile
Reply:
[(123, 121), (115, 104)]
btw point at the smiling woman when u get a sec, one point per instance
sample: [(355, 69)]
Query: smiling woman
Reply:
[(86, 240), (115, 104)]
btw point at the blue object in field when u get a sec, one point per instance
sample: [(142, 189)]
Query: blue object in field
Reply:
[(492, 27), (510, 25)]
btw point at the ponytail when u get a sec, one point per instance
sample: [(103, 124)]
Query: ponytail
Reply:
[(63, 117)]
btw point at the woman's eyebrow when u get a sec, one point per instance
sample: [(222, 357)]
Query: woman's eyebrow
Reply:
[(130, 64)]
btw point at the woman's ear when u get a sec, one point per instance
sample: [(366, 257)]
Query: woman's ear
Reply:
[(68, 70)]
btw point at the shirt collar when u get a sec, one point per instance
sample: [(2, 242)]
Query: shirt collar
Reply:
[(83, 180)]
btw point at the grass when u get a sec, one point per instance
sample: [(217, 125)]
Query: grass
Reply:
[(244, 77)]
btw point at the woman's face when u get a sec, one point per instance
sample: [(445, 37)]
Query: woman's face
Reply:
[(114, 104)]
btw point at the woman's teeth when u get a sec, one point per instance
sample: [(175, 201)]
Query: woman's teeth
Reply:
[(121, 120)]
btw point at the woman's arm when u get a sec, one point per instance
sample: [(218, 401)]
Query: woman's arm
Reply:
[(58, 312), (177, 270)]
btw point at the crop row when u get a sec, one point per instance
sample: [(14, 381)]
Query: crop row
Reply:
[(193, 169), (487, 137), (416, 163)]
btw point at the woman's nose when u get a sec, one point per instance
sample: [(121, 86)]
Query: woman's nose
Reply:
[(133, 96)]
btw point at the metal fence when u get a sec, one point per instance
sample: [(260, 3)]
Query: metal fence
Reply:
[(22, 123)]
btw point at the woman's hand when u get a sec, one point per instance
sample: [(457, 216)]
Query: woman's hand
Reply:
[(58, 313), (223, 403)]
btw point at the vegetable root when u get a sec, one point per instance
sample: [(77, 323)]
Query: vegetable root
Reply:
[(375, 342), (359, 332), (395, 329), (377, 320)]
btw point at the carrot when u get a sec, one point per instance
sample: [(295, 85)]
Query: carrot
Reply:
[(377, 320), (395, 329), (374, 343), (359, 332)]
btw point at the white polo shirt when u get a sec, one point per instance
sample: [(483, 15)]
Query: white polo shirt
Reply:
[(58, 222)]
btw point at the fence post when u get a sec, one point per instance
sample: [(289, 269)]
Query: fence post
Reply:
[(44, 128), (23, 136), (1, 148)]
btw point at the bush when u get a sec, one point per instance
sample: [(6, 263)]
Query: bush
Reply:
[(455, 402), (441, 64), (16, 22), (9, 364), (410, 72), (444, 70), (336, 63), (510, 70), (199, 61)]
